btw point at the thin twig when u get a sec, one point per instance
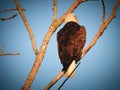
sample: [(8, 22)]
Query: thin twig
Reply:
[(8, 18), (3, 48), (27, 26), (103, 17), (9, 54), (54, 9), (11, 9)]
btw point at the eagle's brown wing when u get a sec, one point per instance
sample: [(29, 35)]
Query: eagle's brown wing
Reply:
[(71, 40)]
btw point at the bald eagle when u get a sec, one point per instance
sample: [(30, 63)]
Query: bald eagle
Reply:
[(70, 40)]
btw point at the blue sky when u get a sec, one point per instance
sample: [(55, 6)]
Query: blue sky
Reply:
[(100, 67)]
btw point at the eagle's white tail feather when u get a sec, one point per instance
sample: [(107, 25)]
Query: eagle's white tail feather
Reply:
[(70, 69)]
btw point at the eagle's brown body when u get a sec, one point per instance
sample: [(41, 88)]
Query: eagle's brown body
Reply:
[(71, 40)]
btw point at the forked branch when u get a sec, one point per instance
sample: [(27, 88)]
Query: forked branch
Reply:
[(27, 26)]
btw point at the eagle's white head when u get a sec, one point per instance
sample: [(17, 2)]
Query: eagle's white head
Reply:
[(71, 17)]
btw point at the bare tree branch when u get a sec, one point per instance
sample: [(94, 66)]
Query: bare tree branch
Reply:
[(8, 18), (102, 28), (27, 26), (54, 9), (11, 9), (7, 54)]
